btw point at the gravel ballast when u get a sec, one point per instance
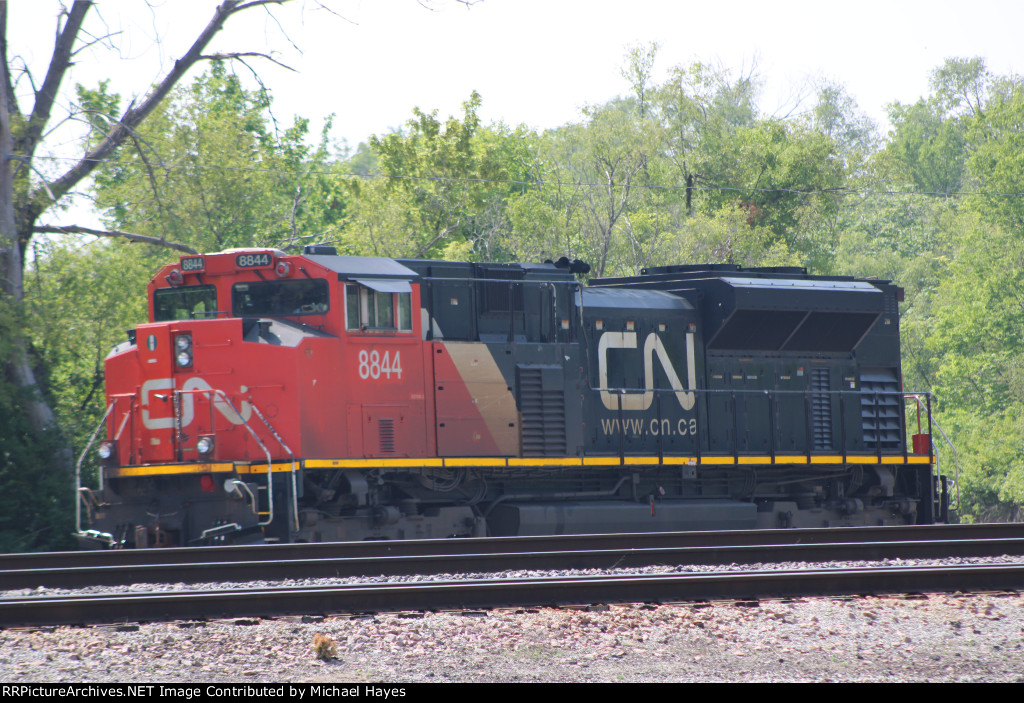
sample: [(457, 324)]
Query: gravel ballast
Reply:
[(934, 638), (943, 637)]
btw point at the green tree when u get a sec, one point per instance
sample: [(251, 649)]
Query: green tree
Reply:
[(615, 155), (701, 109), (439, 188), (36, 509), (210, 169), (81, 298), (726, 237), (996, 161), (934, 137), (930, 144), (546, 220), (837, 116)]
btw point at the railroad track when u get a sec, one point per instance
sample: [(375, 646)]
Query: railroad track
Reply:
[(490, 593), (427, 557), (492, 544), (476, 556)]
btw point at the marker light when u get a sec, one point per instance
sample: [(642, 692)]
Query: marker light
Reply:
[(283, 269)]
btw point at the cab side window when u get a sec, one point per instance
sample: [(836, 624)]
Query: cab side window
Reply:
[(367, 309)]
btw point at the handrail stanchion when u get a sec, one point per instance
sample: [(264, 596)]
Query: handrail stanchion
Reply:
[(901, 408), (700, 425), (622, 428), (78, 469), (931, 449), (810, 427), (842, 424), (295, 489), (661, 440), (735, 429), (878, 429)]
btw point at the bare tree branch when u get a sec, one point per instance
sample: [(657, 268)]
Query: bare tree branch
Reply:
[(23, 71), (12, 101), (47, 93), (135, 136), (75, 229), (426, 247), (284, 32), (335, 13), (24, 160), (254, 3), (263, 88), (136, 114), (240, 54), (95, 40), (152, 180)]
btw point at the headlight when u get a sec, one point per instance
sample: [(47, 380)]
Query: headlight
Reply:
[(183, 343), (205, 445), (105, 450)]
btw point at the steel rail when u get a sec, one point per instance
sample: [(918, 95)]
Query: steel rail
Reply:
[(396, 565), (485, 545), (492, 593)]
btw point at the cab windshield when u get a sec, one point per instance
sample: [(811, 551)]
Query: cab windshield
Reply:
[(280, 298), (184, 303)]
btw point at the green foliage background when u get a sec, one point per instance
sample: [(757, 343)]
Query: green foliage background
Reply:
[(683, 171)]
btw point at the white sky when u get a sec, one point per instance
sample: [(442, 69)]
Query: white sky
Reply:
[(535, 61)]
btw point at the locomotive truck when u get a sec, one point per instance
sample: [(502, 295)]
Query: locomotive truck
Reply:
[(315, 397)]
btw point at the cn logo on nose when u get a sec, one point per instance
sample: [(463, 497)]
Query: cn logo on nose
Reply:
[(165, 421)]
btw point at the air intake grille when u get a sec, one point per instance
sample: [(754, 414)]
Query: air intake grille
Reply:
[(386, 427), (821, 409), (542, 410), (880, 407)]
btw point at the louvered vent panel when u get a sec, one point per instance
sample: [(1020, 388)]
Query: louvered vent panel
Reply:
[(386, 427), (543, 415), (891, 305), (880, 409), (821, 409)]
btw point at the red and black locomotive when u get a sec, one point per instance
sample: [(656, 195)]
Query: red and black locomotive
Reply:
[(318, 397)]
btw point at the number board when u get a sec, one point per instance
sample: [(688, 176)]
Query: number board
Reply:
[(252, 261), (373, 366), (192, 264)]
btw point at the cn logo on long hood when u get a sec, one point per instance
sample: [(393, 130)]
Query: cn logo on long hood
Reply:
[(188, 404), (652, 345)]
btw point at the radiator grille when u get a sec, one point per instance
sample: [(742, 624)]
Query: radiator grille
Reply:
[(821, 409), (386, 428), (880, 408), (542, 410)]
